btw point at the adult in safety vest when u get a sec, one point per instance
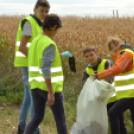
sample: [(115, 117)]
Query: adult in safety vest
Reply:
[(96, 65), (123, 70), (29, 28), (46, 76)]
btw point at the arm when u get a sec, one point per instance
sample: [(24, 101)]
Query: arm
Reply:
[(23, 43), (48, 58), (121, 64), (108, 65), (84, 78), (27, 33)]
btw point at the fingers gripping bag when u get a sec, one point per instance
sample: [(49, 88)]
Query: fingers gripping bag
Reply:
[(91, 108)]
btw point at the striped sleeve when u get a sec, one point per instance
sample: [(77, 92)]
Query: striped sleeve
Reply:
[(48, 58)]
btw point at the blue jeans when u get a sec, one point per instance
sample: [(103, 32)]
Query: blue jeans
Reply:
[(27, 102), (39, 100)]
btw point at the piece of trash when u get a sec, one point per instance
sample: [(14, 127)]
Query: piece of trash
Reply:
[(72, 64)]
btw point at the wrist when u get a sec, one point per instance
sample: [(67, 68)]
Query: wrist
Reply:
[(97, 77), (50, 91)]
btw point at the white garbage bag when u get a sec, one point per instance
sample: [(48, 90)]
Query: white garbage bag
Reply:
[(91, 108)]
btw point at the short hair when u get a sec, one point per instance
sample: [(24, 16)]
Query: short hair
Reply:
[(88, 49), (42, 3), (51, 20), (113, 40)]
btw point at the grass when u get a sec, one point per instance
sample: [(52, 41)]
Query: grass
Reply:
[(10, 115)]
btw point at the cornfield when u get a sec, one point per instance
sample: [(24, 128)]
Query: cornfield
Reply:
[(76, 33)]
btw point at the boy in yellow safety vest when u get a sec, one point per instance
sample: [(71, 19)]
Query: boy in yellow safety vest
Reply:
[(95, 65), (29, 28), (46, 76)]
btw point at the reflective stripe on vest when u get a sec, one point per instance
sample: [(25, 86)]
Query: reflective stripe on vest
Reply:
[(120, 88), (124, 86), (41, 79), (122, 78), (36, 69), (18, 44)]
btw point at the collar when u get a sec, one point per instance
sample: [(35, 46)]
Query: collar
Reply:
[(116, 55), (40, 23)]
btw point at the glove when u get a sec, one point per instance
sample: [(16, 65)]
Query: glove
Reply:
[(66, 54)]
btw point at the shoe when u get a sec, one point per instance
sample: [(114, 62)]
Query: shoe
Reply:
[(20, 131), (38, 133)]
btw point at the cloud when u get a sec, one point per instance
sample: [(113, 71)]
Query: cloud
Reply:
[(12, 7), (96, 7), (92, 7)]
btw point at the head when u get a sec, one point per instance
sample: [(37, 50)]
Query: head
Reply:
[(41, 9), (114, 44), (90, 55), (51, 24)]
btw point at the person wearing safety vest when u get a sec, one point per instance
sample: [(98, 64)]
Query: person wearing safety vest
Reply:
[(110, 104), (95, 65), (123, 70), (46, 76), (29, 28)]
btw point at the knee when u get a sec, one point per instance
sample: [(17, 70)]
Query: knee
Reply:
[(38, 119)]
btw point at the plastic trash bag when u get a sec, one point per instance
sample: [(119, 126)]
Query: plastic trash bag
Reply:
[(91, 108)]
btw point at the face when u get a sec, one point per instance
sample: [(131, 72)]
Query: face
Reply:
[(91, 58), (115, 48), (41, 12)]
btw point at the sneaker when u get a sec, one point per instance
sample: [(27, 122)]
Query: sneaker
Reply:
[(38, 133), (20, 131)]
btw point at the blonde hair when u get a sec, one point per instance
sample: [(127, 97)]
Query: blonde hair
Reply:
[(113, 40)]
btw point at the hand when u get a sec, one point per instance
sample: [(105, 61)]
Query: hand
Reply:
[(66, 54), (95, 76), (50, 99)]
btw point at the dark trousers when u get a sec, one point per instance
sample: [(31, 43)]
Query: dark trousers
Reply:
[(115, 114), (123, 129), (39, 101)]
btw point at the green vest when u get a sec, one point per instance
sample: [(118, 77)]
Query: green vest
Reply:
[(20, 59), (101, 67), (35, 57), (124, 83)]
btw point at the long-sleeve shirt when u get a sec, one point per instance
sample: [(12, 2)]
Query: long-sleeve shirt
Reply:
[(48, 58), (123, 64)]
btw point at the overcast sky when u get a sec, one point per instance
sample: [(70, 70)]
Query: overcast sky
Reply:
[(71, 7)]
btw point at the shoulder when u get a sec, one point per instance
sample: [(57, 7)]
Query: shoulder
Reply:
[(126, 53), (27, 23), (26, 20)]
